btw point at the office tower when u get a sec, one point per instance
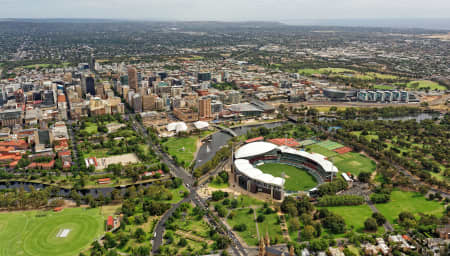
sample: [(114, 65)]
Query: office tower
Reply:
[(90, 85), (203, 76), (204, 109), (132, 79)]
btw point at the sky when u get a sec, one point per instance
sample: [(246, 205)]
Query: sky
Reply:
[(225, 10)]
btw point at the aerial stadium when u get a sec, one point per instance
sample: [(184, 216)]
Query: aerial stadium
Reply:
[(251, 159)]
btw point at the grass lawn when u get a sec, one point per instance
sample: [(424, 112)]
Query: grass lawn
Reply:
[(353, 215), (177, 194), (320, 150), (91, 128), (271, 225), (183, 148), (244, 217), (424, 84), (409, 201), (330, 145), (296, 179), (325, 109), (23, 233), (354, 163), (383, 87), (216, 185)]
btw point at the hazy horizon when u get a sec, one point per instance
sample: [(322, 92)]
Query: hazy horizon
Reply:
[(231, 10)]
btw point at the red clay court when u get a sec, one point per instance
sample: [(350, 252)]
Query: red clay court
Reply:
[(343, 150)]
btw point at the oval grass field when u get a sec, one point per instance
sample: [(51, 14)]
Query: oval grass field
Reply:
[(36, 233), (296, 179)]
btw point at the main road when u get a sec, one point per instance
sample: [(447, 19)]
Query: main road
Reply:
[(188, 180)]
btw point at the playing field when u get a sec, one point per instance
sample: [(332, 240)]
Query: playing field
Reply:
[(330, 145), (296, 179), (410, 202), (321, 150), (37, 233), (354, 163)]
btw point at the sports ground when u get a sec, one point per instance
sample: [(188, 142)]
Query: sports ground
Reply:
[(344, 160), (296, 179), (49, 233)]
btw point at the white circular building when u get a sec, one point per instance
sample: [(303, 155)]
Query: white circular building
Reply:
[(250, 178)]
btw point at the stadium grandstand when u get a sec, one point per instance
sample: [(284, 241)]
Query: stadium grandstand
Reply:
[(248, 157)]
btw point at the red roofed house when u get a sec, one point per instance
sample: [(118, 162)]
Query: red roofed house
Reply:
[(285, 142), (110, 222), (17, 144), (61, 145), (46, 166)]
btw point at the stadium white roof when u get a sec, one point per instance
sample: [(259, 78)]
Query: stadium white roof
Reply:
[(254, 149), (318, 158), (246, 168)]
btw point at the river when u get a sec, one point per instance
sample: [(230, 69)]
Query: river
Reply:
[(95, 192)]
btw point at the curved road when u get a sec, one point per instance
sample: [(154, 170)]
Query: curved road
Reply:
[(188, 181)]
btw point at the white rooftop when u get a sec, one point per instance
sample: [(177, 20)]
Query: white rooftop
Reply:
[(246, 168), (254, 149)]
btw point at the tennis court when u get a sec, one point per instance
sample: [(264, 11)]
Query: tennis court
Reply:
[(343, 150), (330, 145)]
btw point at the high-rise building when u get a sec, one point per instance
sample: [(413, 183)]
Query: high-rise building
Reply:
[(132, 79), (90, 85), (203, 76), (204, 109), (137, 103), (149, 102)]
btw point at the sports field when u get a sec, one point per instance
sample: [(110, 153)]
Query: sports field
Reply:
[(354, 163), (296, 179), (48, 233), (330, 145), (315, 148), (411, 202)]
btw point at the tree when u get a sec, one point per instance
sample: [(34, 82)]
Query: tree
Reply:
[(309, 232), (379, 218), (364, 177), (260, 218), (294, 224), (139, 234), (370, 225), (318, 245), (182, 242)]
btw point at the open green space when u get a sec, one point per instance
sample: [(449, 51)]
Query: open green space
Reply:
[(354, 216), (383, 87), (46, 65), (347, 73), (35, 232), (369, 137), (243, 216), (270, 226), (91, 128), (296, 179), (330, 145), (177, 195), (354, 163), (413, 202), (422, 84), (320, 150), (182, 148)]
